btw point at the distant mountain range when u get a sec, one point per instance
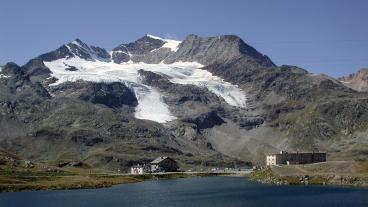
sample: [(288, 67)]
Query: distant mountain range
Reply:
[(206, 101)]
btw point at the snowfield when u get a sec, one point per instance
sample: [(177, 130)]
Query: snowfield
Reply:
[(150, 103), (173, 45)]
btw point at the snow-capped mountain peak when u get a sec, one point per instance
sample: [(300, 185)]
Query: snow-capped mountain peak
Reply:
[(79, 61)]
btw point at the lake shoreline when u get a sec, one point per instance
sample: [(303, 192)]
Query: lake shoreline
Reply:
[(269, 176), (94, 181), (192, 191), (332, 173)]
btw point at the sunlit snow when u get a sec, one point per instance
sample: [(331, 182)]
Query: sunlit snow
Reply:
[(173, 45), (150, 103), (2, 75)]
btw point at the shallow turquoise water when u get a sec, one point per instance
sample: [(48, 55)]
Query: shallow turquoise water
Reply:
[(209, 191)]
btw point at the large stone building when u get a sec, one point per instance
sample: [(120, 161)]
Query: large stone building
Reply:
[(164, 164), (285, 158)]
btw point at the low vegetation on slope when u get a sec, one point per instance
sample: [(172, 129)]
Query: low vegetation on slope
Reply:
[(18, 175), (329, 173)]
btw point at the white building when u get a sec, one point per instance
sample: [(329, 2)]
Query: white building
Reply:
[(137, 170), (270, 160)]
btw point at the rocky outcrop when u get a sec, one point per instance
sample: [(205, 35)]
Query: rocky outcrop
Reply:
[(219, 49), (141, 46), (153, 79), (343, 173), (185, 101), (114, 94), (146, 49), (206, 120), (19, 98), (178, 93), (77, 48), (357, 81), (18, 85)]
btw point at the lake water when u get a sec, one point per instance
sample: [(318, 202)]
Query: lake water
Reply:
[(209, 191)]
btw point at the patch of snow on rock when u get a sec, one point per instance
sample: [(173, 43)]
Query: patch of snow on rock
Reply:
[(173, 45), (2, 75)]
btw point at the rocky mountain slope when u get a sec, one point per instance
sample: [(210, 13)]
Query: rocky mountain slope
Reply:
[(204, 101), (357, 81)]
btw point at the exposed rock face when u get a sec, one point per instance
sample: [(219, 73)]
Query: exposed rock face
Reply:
[(121, 55), (145, 49), (220, 49), (19, 98), (204, 50), (141, 46), (357, 81), (185, 101), (82, 50), (13, 70), (205, 121), (36, 70), (18, 84), (110, 94), (288, 100)]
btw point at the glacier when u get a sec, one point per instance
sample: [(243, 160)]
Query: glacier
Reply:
[(150, 103)]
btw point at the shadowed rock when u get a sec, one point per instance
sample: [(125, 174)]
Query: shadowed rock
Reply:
[(206, 120), (114, 94)]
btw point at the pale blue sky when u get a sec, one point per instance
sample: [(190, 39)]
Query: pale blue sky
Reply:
[(325, 36)]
